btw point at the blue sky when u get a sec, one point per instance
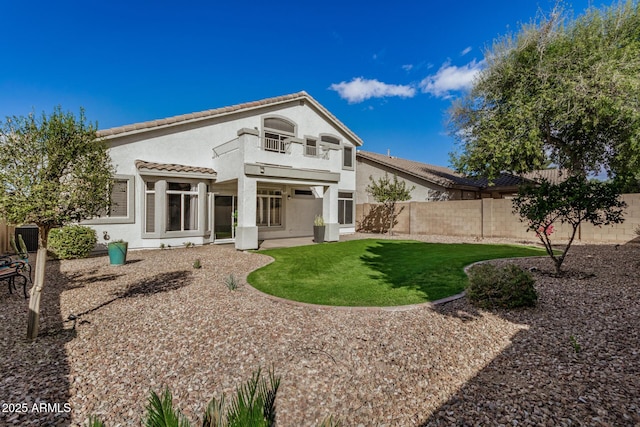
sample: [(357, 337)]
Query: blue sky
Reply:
[(388, 70)]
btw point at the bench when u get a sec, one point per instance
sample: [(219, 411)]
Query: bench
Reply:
[(10, 270)]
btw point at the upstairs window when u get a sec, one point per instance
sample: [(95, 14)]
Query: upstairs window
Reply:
[(278, 124), (347, 157), (276, 132), (330, 139), (311, 148)]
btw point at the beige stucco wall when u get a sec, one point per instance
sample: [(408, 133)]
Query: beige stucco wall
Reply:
[(421, 192), (495, 218)]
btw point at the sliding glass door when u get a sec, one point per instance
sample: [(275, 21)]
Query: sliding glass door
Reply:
[(224, 208)]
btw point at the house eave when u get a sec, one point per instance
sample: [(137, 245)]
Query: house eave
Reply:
[(193, 175), (283, 172)]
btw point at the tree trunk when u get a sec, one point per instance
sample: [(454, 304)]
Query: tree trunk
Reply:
[(392, 210), (33, 322)]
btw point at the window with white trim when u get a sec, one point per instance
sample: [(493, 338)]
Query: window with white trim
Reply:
[(347, 157), (345, 208), (330, 139), (269, 208), (311, 148), (150, 207), (121, 200), (182, 206), (276, 132)]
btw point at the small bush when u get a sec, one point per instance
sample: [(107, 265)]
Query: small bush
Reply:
[(71, 241), (577, 348), (197, 264), (232, 282), (507, 287)]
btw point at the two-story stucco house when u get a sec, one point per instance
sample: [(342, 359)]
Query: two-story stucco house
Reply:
[(244, 173)]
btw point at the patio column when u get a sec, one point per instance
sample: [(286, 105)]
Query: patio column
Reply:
[(330, 213), (247, 231)]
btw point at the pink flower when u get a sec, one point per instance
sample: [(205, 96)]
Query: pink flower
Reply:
[(546, 230)]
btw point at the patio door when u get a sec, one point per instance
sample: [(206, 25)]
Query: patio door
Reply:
[(224, 208)]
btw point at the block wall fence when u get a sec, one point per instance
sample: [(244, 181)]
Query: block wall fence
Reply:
[(485, 218)]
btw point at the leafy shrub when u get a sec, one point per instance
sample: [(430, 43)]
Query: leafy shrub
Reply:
[(507, 287), (71, 241)]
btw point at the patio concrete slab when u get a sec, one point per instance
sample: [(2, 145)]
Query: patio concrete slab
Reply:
[(285, 243)]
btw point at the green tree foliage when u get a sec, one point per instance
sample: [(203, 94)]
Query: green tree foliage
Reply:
[(53, 171), (561, 91), (568, 92), (571, 202), (389, 193)]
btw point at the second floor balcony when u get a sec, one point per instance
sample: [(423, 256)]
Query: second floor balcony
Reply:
[(278, 145)]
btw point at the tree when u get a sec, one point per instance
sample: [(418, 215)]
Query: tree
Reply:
[(389, 192), (53, 171), (569, 93), (571, 202), (565, 92)]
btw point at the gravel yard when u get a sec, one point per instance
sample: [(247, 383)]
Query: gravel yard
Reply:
[(158, 322)]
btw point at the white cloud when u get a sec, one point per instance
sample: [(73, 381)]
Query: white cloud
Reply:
[(360, 89), (465, 51), (451, 78), (407, 67)]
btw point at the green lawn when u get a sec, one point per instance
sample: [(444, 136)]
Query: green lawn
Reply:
[(374, 272)]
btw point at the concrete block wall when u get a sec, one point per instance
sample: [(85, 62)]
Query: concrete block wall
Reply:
[(452, 218), (500, 221), (616, 233), (495, 218)]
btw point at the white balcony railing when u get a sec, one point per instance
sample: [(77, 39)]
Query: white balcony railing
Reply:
[(275, 145)]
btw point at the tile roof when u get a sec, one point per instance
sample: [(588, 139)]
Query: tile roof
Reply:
[(170, 167), (216, 112), (437, 174), (553, 175), (440, 175)]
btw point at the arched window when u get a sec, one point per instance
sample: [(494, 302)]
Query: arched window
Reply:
[(281, 125), (330, 139), (276, 131)]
